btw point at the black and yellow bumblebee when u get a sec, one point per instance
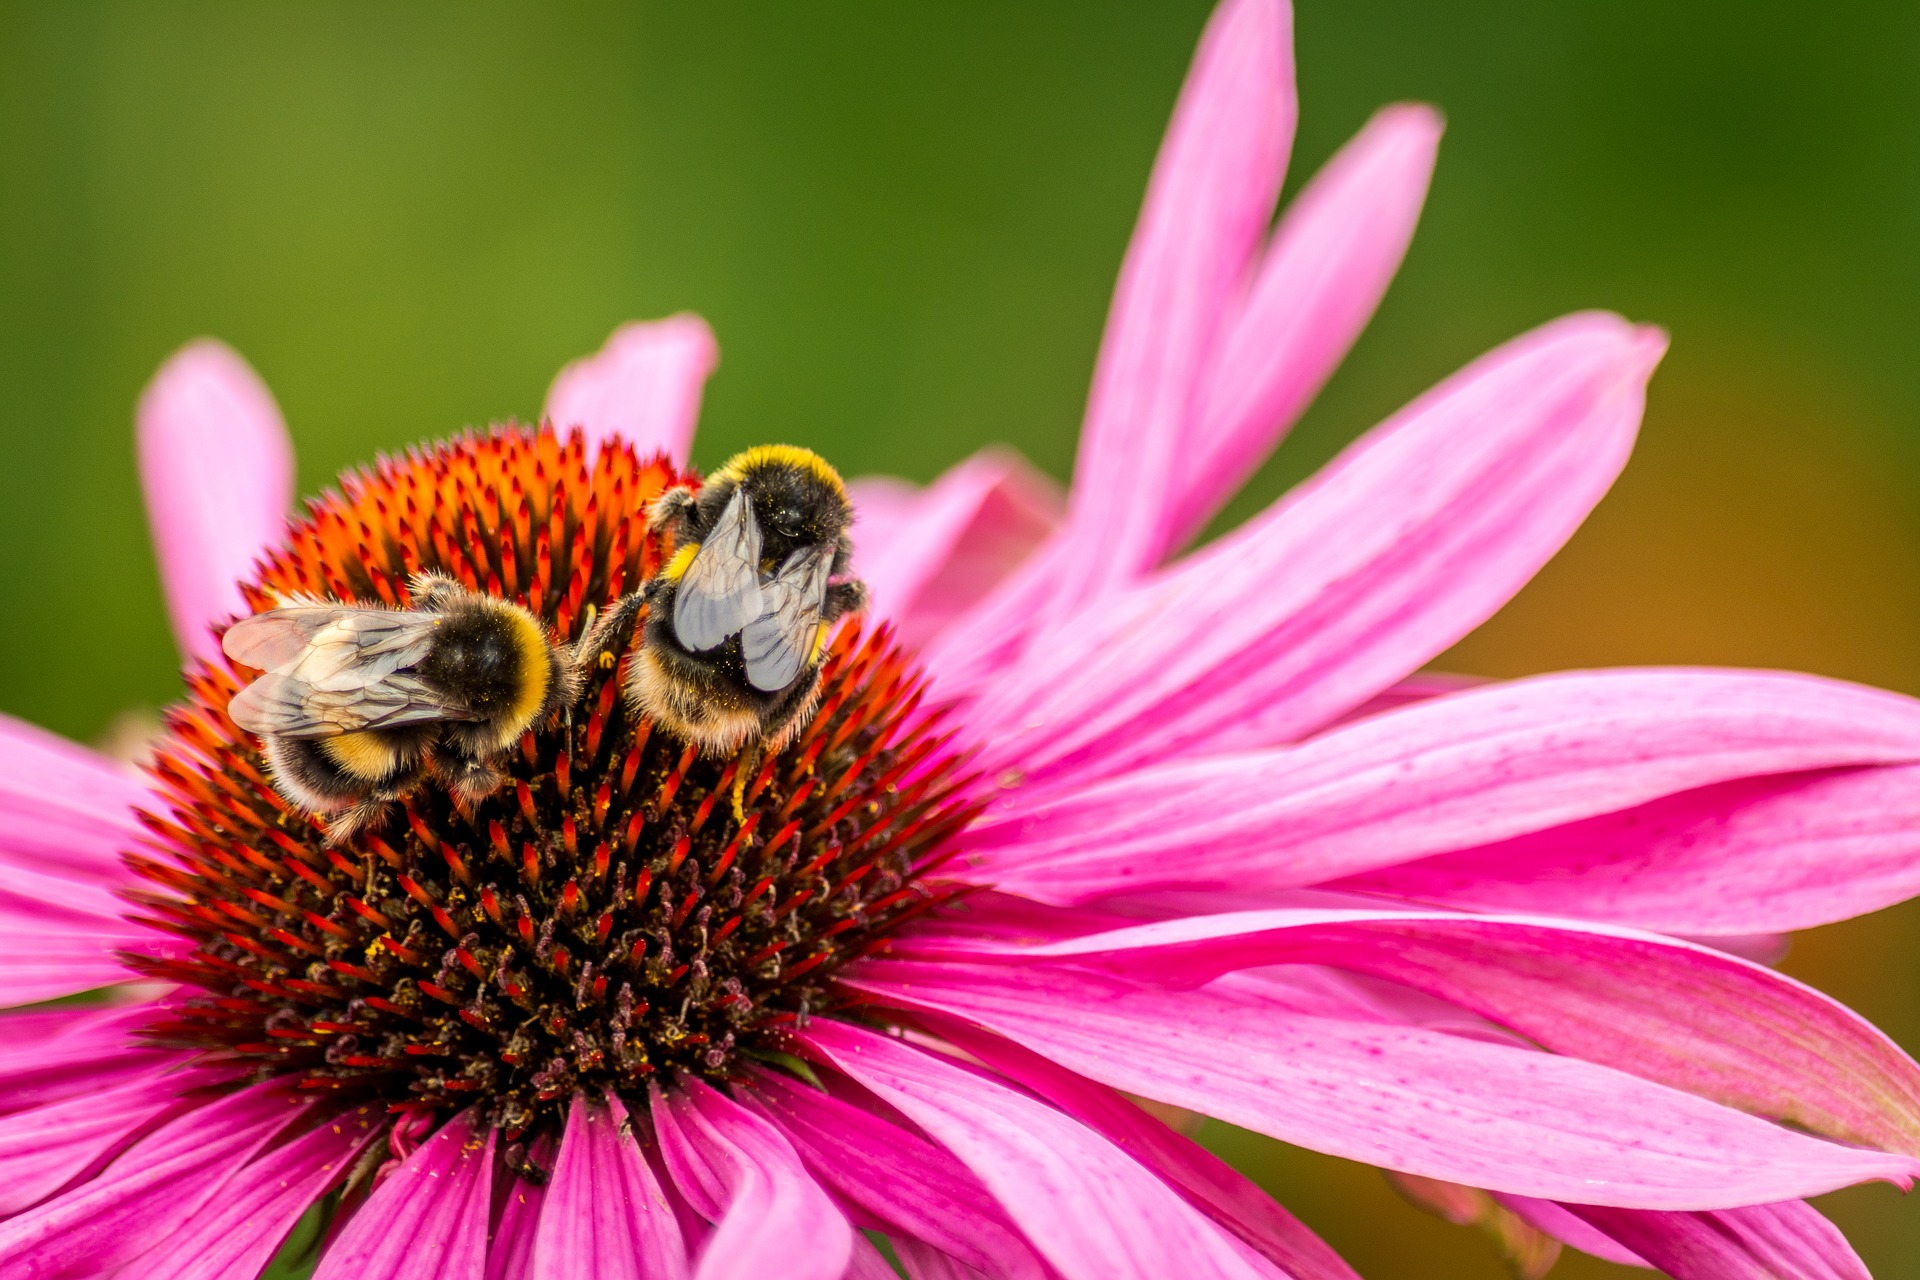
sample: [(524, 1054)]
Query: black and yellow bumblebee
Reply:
[(358, 705), (738, 619)]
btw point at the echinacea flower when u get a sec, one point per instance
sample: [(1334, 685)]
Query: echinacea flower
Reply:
[(1079, 817)]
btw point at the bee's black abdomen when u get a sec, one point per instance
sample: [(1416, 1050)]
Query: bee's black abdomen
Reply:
[(477, 660)]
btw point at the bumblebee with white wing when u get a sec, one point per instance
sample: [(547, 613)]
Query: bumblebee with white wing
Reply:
[(358, 705), (738, 619)]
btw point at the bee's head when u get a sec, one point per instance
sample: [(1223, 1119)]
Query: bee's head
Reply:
[(798, 498)]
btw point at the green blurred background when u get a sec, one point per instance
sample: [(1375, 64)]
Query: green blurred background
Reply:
[(903, 222)]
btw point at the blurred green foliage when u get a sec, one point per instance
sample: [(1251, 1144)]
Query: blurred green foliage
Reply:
[(903, 222)]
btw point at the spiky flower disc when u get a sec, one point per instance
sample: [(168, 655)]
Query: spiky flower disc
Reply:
[(605, 917)]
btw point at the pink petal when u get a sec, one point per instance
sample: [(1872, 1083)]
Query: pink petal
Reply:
[(70, 811), (510, 1252), (771, 1217), (428, 1220), (235, 1237), (1559, 1222), (643, 385), (1414, 536), (169, 1175), (1418, 687), (867, 1263), (911, 1187), (604, 1214), (1206, 212), (1760, 855), (1786, 1241), (1478, 766), (1331, 259), (217, 470), (924, 1262), (50, 1054), (1687, 1016), (1209, 1183), (1484, 1114), (1085, 1204), (927, 556), (43, 1148)]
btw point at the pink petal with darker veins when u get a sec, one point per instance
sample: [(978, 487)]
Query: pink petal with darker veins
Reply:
[(510, 1251), (1785, 1241), (1207, 209), (1209, 1183), (910, 1186), (239, 1233), (1468, 1111), (1759, 855), (1683, 1015), (924, 1262), (1332, 257), (604, 1214), (929, 555), (1478, 766), (643, 385), (1412, 537), (217, 470), (770, 1216), (428, 1219), (1086, 1205), (170, 1174)]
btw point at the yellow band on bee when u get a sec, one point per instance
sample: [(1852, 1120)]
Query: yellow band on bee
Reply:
[(791, 455), (366, 755), (676, 568)]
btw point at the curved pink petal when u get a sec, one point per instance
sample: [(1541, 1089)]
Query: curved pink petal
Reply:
[(771, 1217), (50, 1054), (1785, 1241), (1412, 537), (1092, 1210), (643, 385), (604, 1214), (929, 555), (1686, 1016), (1463, 1110), (235, 1237), (70, 811), (217, 470), (41, 1149), (1332, 257), (170, 1174), (910, 1186), (924, 1262), (1760, 855), (428, 1219), (1207, 209), (1208, 1182), (1559, 1222), (1479, 766)]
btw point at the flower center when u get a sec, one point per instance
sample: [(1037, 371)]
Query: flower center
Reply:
[(622, 907)]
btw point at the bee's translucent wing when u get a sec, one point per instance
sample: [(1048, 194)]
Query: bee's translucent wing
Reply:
[(720, 591), (780, 642), (349, 673)]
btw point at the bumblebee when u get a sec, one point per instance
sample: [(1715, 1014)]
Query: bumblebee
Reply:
[(737, 620), (359, 705)]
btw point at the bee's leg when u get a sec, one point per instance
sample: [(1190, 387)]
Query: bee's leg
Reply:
[(671, 511), (599, 649), (750, 760), (849, 595), (349, 822), (432, 592), (469, 778)]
